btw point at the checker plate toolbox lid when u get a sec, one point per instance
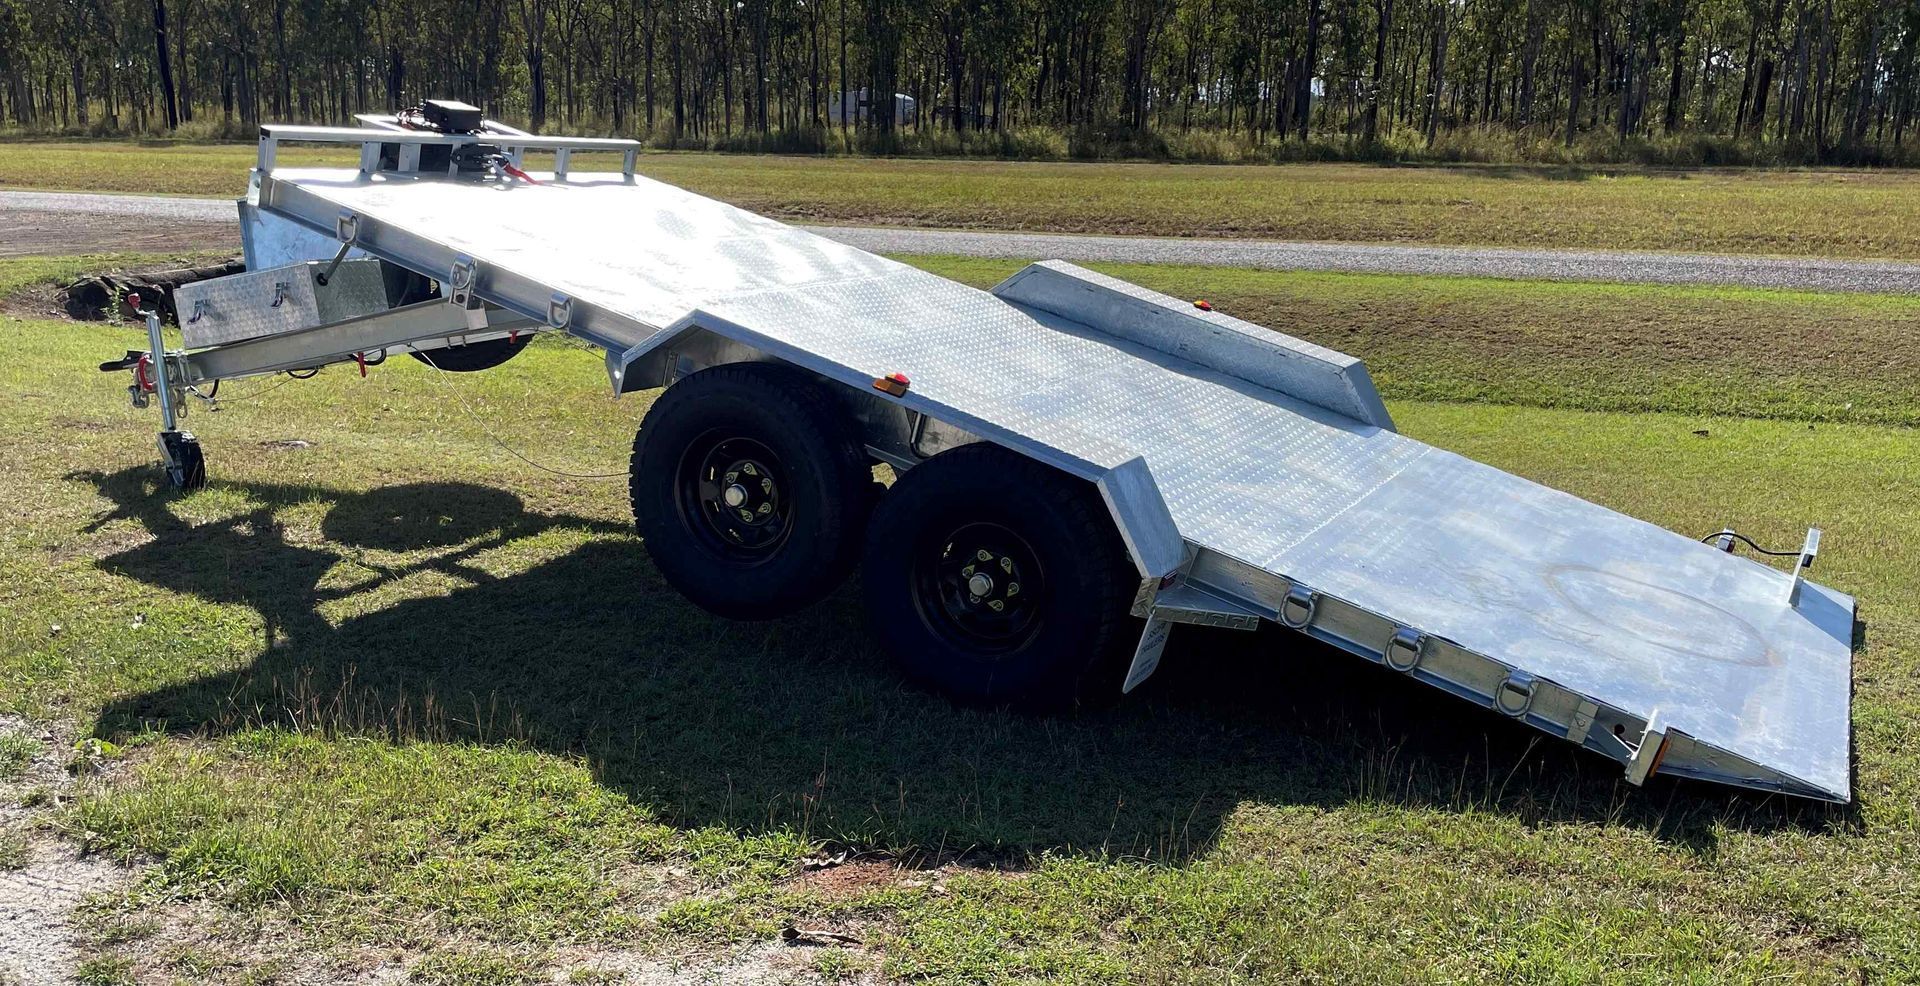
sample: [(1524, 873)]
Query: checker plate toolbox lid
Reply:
[(1293, 498), (268, 302)]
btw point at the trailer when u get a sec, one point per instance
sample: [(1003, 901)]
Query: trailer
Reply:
[(1081, 464)]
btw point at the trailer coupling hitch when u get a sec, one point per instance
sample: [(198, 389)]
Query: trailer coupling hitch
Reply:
[(127, 362), (144, 381)]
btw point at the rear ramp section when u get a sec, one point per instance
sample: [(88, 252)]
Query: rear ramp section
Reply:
[(1289, 495)]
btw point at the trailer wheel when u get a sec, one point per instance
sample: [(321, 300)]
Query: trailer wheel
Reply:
[(750, 487), (997, 580), (473, 356), (405, 287), (189, 469)]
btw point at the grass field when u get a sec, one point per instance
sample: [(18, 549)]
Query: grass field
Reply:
[(388, 698), (1819, 213)]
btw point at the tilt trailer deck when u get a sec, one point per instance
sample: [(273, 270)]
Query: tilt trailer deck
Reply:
[(1083, 463)]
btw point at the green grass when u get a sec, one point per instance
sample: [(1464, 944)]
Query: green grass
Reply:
[(13, 850), (17, 750), (106, 971), (476, 968), (400, 690), (1820, 213)]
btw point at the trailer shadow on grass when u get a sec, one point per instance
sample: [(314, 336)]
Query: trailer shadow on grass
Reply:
[(801, 723)]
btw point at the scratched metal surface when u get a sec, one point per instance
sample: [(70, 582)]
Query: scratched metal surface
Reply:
[(1630, 614)]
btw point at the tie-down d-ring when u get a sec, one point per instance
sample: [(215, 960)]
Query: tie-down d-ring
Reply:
[(1404, 651), (1515, 695), (1296, 611)]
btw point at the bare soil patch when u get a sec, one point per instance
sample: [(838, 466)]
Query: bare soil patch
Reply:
[(53, 301), (853, 877), (42, 933)]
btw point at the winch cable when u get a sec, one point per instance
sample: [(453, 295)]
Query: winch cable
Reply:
[(461, 400)]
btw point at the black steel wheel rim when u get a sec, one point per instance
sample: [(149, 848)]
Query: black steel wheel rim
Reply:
[(732, 493), (980, 586)]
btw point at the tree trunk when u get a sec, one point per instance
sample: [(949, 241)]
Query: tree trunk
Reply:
[(182, 29), (1672, 120), (1765, 81), (846, 112), (1536, 23), (1577, 83), (649, 24), (1628, 68), (1437, 75), (79, 91), (533, 27), (1303, 103), (1382, 28), (1747, 76), (164, 61), (285, 105)]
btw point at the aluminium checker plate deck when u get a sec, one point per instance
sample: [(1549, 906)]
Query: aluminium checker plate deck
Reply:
[(1584, 622)]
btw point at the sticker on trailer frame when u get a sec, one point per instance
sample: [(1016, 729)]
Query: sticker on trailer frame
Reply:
[(1146, 657)]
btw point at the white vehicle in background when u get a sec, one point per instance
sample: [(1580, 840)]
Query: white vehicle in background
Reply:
[(856, 106)]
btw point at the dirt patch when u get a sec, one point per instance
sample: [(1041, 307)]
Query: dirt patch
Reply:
[(42, 301), (855, 876), (41, 932), (755, 964), (200, 942), (52, 301), (60, 234), (104, 543), (39, 935)]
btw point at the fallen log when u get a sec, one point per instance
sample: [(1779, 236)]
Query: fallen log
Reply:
[(91, 297)]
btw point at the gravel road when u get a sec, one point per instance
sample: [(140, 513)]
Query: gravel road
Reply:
[(59, 222)]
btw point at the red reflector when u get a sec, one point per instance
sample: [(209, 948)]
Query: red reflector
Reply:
[(893, 383), (1204, 305)]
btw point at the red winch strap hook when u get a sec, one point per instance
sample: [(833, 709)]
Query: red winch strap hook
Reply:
[(507, 166)]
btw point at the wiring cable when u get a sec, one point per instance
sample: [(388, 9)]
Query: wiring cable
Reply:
[(1709, 539), (461, 400), (251, 394)]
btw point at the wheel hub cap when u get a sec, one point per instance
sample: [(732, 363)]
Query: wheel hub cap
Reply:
[(734, 492), (980, 583)]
